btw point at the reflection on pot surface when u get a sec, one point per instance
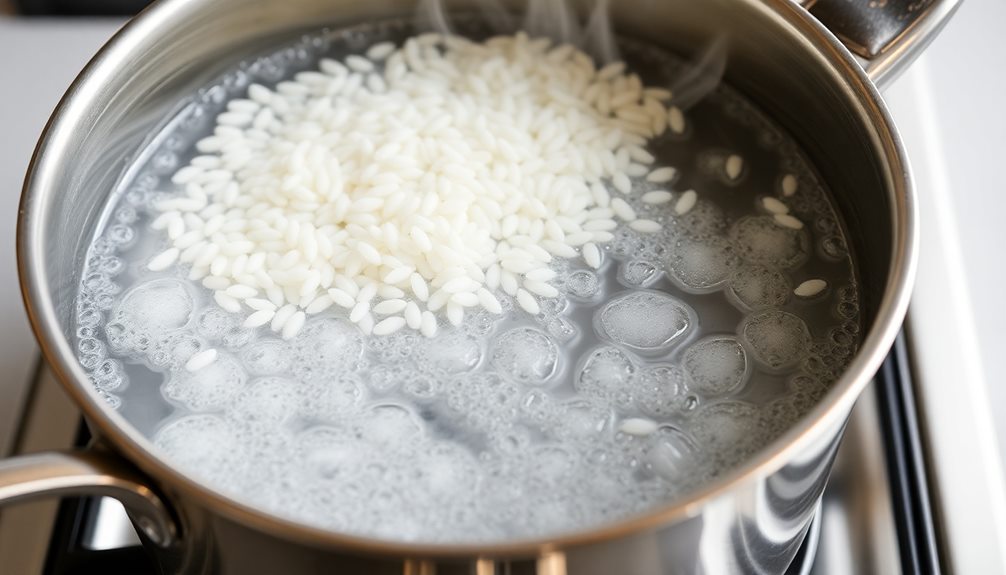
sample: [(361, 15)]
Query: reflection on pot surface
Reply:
[(231, 308)]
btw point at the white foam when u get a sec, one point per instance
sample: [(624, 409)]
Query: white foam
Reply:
[(701, 266), (326, 348), (267, 357), (583, 284), (454, 353), (149, 311), (725, 427), (638, 273), (716, 365), (758, 287), (389, 424), (607, 373), (777, 339), (759, 240), (670, 453), (660, 391), (216, 386), (525, 354), (205, 445), (582, 421), (646, 321), (271, 401)]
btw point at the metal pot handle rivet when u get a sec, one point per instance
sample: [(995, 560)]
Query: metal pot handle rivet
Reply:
[(76, 473)]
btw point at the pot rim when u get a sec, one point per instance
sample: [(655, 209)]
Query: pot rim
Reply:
[(827, 415)]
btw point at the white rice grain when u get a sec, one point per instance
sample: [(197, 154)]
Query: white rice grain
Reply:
[(645, 226), (686, 202), (527, 302), (200, 360), (788, 221), (591, 255), (293, 325), (789, 185), (413, 315), (810, 288), (315, 193), (622, 209), (656, 197), (429, 324), (638, 426), (258, 318), (661, 175), (163, 260), (774, 206), (733, 166), (389, 325), (390, 306)]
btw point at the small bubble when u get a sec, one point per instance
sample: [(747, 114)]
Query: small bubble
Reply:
[(645, 321), (174, 142), (90, 345), (420, 386), (834, 247), (113, 401), (777, 339), (583, 284), (139, 198), (126, 215), (108, 375), (91, 361), (196, 119), (525, 354), (164, 162), (147, 182), (848, 309), (214, 95), (760, 240), (111, 266), (638, 273), (89, 317), (103, 247)]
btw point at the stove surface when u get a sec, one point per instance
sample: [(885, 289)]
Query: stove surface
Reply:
[(952, 123)]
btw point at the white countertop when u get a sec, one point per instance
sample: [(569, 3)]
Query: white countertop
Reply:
[(949, 111), (38, 60)]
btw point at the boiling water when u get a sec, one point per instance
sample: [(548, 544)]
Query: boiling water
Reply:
[(682, 355)]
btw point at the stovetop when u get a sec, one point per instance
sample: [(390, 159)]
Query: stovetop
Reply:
[(874, 512)]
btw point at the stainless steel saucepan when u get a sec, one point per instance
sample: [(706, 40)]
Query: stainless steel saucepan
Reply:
[(814, 69)]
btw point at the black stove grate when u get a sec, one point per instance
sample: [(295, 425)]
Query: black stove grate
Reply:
[(906, 464), (80, 7)]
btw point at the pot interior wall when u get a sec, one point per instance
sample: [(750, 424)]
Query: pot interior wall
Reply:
[(194, 41), (199, 40)]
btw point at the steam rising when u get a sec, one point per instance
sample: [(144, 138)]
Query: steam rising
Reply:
[(702, 76), (555, 19), (560, 21)]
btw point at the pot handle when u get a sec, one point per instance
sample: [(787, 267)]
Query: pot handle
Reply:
[(55, 474), (886, 35)]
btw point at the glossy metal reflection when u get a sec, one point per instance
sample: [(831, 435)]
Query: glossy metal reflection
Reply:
[(749, 520)]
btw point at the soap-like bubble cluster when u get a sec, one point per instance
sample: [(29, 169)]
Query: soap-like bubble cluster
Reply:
[(777, 339), (716, 366), (649, 322), (526, 355), (681, 354)]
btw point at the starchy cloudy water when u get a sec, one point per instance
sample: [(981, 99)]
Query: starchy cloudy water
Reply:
[(664, 358)]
